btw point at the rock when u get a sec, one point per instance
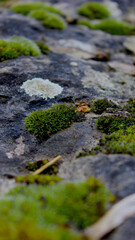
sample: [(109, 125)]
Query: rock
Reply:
[(122, 67), (116, 171), (130, 44)]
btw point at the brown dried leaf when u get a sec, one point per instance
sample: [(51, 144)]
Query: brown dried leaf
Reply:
[(83, 108)]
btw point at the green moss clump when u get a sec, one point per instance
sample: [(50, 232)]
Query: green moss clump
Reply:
[(33, 166), (38, 179), (26, 8), (114, 27), (59, 211), (43, 47), (48, 19), (122, 141), (17, 46), (109, 124), (45, 123), (85, 23), (130, 106), (100, 105), (94, 10)]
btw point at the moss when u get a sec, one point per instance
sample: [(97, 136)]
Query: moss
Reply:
[(48, 19), (38, 179), (122, 141), (130, 106), (45, 123), (100, 105), (114, 27), (85, 23), (109, 124), (33, 166), (17, 46), (26, 8), (94, 10), (43, 47), (52, 210)]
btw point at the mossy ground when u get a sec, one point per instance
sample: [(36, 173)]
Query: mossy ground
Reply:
[(38, 179), (101, 105), (119, 129), (17, 46), (45, 123), (110, 26), (46, 13), (94, 10), (43, 47), (27, 7), (48, 19), (51, 211)]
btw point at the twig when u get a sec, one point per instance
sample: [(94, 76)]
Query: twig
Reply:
[(121, 211), (47, 165)]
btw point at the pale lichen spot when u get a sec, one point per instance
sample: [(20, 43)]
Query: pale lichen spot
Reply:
[(42, 87)]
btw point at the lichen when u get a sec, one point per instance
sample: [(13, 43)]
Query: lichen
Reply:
[(38, 179), (51, 211), (17, 46), (45, 123), (27, 7), (94, 10), (48, 19), (42, 87)]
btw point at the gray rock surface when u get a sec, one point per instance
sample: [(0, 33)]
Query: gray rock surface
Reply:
[(73, 64)]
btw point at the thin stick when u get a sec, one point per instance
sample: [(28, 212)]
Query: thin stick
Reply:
[(47, 165)]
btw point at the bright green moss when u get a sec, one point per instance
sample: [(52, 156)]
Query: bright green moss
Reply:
[(85, 23), (26, 8), (94, 10), (17, 46), (122, 141), (38, 179), (109, 124), (114, 27), (33, 166), (45, 123), (48, 19), (100, 105), (43, 47), (130, 106), (52, 210)]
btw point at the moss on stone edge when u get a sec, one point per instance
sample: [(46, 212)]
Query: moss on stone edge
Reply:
[(43, 47), (17, 46), (26, 8), (122, 141), (94, 10), (110, 26), (52, 210), (38, 179), (110, 124), (101, 105), (48, 19), (114, 27), (33, 166), (45, 123)]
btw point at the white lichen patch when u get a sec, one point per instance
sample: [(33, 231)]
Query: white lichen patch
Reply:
[(42, 88)]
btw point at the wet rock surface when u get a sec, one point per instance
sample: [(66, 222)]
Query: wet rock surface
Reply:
[(74, 63)]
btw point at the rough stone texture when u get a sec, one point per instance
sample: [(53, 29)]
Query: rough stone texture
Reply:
[(73, 64)]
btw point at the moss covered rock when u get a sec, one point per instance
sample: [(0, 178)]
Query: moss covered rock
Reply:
[(52, 210), (27, 7), (94, 10), (48, 19), (45, 123), (17, 46)]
